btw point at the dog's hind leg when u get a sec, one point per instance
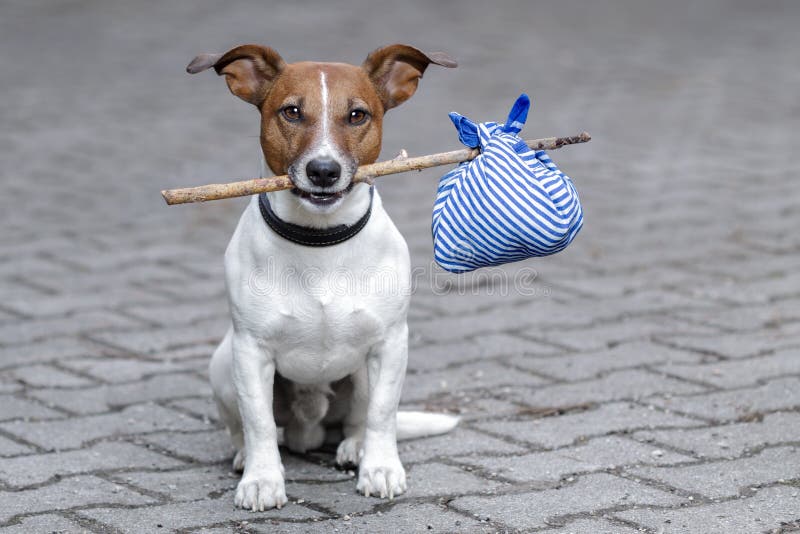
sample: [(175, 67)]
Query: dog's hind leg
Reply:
[(304, 431), (350, 449)]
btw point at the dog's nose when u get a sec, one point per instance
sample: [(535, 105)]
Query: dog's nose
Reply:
[(323, 172)]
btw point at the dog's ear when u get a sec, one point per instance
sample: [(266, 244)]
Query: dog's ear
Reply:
[(249, 70), (395, 71)]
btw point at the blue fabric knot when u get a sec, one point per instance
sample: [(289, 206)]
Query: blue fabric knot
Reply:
[(508, 204), (477, 135)]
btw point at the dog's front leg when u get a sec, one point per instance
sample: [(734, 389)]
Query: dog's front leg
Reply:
[(261, 486), (380, 471)]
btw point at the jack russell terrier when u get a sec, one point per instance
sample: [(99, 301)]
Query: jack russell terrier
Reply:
[(312, 352)]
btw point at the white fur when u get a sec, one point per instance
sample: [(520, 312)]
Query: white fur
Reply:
[(313, 334)]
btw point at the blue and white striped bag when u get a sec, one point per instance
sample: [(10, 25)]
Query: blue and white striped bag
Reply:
[(508, 204)]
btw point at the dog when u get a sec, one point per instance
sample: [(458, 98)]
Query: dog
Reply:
[(303, 354)]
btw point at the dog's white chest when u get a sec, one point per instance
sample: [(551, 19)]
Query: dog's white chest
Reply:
[(322, 338), (318, 312)]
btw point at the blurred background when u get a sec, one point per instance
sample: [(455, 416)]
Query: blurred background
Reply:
[(687, 103)]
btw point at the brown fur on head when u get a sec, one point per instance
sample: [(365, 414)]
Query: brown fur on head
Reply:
[(258, 75)]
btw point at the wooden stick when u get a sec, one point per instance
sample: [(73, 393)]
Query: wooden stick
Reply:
[(365, 173)]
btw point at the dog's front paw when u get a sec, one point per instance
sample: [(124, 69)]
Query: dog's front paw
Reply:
[(349, 452), (261, 492), (382, 477)]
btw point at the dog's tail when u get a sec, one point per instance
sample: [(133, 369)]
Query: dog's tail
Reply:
[(412, 425)]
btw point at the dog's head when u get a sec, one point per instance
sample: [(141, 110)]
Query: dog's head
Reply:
[(320, 121)]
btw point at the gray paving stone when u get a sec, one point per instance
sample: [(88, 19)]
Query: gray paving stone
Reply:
[(779, 394), (646, 302), (13, 268), (66, 494), (592, 526), (306, 469), (605, 335), (595, 455), (762, 512), (643, 280), (225, 530), (13, 290), (340, 498), (12, 448), (740, 345), (42, 523), (483, 375), (171, 313), (121, 369), (450, 296), (189, 515), (190, 352), (13, 407), (738, 373), (435, 479), (565, 429), (755, 291), (38, 468), (71, 433), (47, 376), (136, 273), (441, 355), (746, 317), (31, 330), (71, 302), (461, 441), (583, 365), (587, 494), (205, 407), (51, 349), (411, 518), (104, 398), (750, 266), (726, 478), (617, 385), (209, 290), (465, 325), (204, 447), (192, 484), (731, 440), (9, 384), (108, 258), (158, 341)]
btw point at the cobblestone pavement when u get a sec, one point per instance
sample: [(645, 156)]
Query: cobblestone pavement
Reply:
[(648, 378)]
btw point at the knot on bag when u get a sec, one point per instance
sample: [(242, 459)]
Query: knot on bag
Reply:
[(508, 204)]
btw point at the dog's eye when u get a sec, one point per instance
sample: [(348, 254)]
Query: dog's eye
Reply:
[(358, 116), (291, 113)]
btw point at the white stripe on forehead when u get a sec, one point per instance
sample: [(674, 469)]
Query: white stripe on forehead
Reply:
[(325, 142)]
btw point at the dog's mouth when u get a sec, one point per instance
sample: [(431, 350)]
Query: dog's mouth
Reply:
[(321, 198)]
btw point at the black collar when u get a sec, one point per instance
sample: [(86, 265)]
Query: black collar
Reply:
[(312, 237)]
